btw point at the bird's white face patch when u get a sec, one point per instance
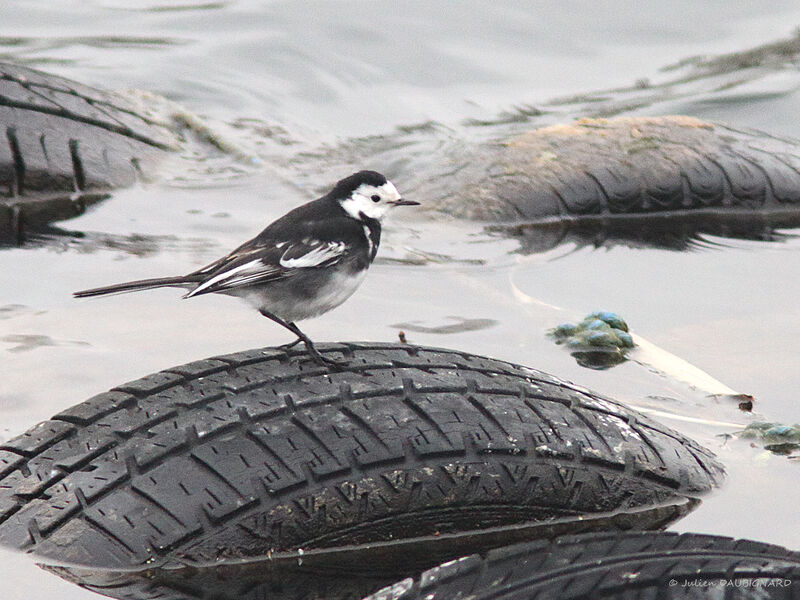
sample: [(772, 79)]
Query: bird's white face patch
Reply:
[(373, 201)]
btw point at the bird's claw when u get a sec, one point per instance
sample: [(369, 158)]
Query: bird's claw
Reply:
[(337, 365), (315, 355), (290, 345)]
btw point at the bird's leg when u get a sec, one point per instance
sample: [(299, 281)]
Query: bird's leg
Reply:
[(324, 360), (302, 337), (282, 323)]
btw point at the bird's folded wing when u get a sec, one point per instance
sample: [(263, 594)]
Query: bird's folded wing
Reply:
[(254, 265), (311, 253)]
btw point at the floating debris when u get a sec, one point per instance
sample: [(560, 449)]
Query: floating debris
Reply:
[(26, 342), (777, 438), (745, 401), (459, 325), (600, 341)]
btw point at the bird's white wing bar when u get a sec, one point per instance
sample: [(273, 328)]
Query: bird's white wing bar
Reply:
[(241, 275), (318, 253), (301, 255)]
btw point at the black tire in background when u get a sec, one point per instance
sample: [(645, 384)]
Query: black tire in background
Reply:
[(263, 452), (64, 145), (625, 566), (661, 181)]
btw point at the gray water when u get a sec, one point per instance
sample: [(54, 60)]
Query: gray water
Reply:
[(283, 78)]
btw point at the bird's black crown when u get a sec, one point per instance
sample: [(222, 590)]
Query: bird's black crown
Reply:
[(346, 186)]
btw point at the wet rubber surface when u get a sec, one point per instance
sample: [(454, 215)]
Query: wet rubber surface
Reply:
[(622, 566), (637, 167), (66, 147), (279, 454)]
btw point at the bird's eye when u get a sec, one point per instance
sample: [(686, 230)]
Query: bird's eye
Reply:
[(375, 198)]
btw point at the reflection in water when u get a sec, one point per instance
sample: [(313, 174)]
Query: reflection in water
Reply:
[(347, 573), (59, 205), (134, 244), (746, 76), (416, 256), (9, 311), (461, 325), (27, 342), (168, 8), (681, 230), (230, 583), (263, 580), (20, 45)]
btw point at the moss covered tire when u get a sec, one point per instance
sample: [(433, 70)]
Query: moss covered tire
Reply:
[(263, 452), (627, 566), (64, 145)]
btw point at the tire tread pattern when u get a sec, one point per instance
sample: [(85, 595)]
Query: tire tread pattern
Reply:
[(602, 565), (265, 449), (64, 144)]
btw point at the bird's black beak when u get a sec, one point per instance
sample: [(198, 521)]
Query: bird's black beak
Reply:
[(402, 202)]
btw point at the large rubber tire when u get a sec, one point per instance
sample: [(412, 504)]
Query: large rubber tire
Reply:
[(642, 181), (612, 565), (263, 452), (64, 145), (595, 169)]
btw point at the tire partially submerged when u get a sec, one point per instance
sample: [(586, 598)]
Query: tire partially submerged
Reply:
[(643, 180), (654, 180), (263, 453), (631, 166), (612, 565), (64, 145)]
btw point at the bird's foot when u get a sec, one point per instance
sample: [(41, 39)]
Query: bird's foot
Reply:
[(337, 365), (302, 337), (290, 345)]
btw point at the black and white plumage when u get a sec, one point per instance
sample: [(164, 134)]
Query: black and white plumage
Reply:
[(302, 265)]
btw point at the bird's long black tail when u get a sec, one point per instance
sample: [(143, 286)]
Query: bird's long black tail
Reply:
[(135, 286)]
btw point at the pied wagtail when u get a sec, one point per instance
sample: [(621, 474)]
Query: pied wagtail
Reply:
[(302, 265)]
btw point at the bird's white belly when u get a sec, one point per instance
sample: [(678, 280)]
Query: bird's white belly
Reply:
[(282, 303)]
